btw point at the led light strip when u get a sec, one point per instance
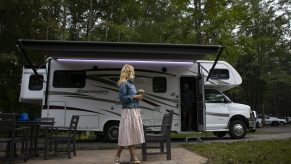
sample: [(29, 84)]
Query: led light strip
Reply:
[(127, 61)]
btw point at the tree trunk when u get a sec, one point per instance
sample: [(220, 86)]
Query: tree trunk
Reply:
[(89, 26), (65, 4), (197, 21)]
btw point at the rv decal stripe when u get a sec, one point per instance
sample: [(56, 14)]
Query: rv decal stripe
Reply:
[(101, 80), (144, 100), (93, 98), (62, 93), (116, 90), (143, 107), (196, 73), (110, 112), (172, 100), (136, 70), (144, 70), (68, 94), (114, 78), (173, 113), (110, 101), (217, 114), (75, 95), (151, 103), (159, 102), (68, 108)]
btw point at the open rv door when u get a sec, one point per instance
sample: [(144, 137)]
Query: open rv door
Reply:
[(200, 103)]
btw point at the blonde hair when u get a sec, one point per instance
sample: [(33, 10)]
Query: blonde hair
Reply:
[(127, 72)]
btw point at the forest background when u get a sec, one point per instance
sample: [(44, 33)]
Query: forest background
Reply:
[(256, 33)]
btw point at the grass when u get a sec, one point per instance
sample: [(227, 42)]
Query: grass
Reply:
[(263, 132), (274, 151), (191, 134), (210, 134)]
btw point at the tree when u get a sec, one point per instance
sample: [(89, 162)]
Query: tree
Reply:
[(260, 36), (256, 34)]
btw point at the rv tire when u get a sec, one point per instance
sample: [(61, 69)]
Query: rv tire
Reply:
[(237, 129), (111, 132)]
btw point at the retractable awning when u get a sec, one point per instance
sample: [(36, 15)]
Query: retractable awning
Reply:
[(118, 50)]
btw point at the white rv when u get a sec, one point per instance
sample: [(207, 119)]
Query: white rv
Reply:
[(73, 83)]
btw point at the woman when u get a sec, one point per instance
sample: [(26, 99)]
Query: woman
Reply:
[(130, 126)]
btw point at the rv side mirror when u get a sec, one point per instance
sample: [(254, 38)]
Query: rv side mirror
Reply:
[(226, 100)]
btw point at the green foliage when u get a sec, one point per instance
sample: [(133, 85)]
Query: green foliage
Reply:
[(260, 40), (256, 35), (275, 151)]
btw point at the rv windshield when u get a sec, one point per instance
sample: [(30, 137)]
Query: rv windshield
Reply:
[(214, 96)]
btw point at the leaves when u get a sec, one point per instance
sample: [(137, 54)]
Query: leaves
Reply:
[(256, 35)]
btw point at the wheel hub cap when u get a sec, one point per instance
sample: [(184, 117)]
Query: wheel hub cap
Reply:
[(113, 132), (238, 129)]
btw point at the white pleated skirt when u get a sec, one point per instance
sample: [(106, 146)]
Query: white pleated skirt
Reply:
[(130, 128)]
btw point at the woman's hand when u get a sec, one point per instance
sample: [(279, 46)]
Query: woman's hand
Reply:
[(137, 97), (140, 92)]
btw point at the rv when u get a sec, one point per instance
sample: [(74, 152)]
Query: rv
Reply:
[(76, 81)]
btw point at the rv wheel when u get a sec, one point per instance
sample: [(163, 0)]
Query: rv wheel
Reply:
[(220, 134), (111, 132), (237, 129)]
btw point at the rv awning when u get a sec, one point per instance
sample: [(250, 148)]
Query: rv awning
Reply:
[(119, 50)]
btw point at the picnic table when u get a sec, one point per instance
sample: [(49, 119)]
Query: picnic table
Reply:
[(34, 134)]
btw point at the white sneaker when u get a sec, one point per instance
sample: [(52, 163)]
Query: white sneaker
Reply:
[(116, 160), (135, 161)]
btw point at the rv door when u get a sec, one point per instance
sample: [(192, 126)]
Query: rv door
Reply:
[(200, 103)]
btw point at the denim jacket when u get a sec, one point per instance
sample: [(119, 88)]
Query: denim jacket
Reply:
[(126, 91)]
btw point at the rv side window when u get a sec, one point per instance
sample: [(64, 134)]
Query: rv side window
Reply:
[(35, 82), (69, 79), (159, 84), (220, 74)]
